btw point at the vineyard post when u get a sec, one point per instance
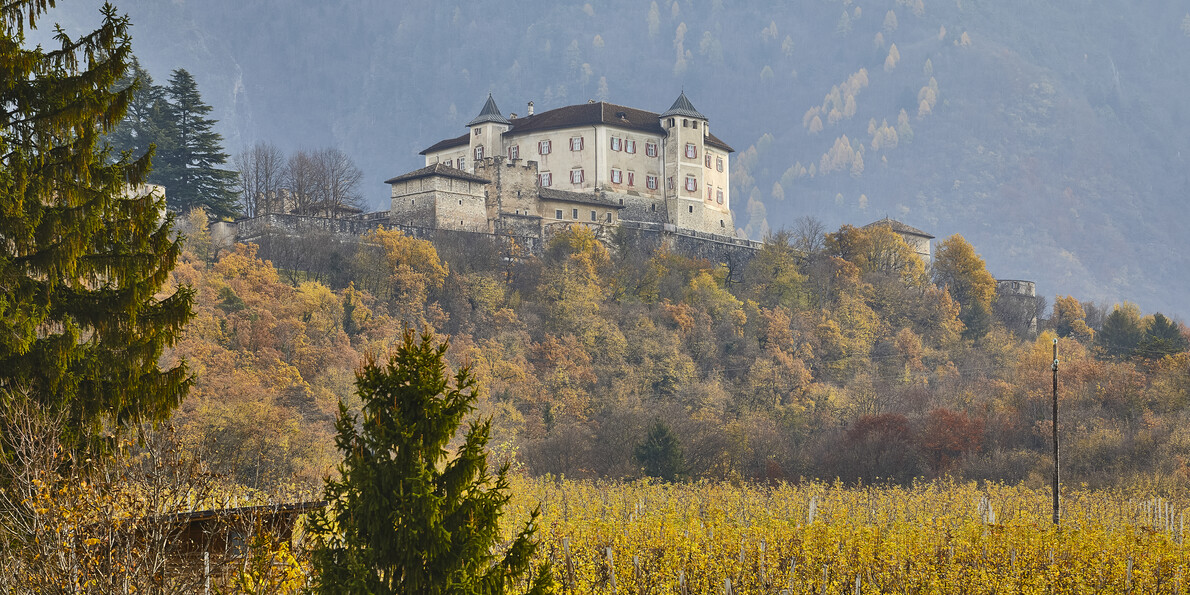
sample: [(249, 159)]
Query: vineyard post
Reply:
[(611, 568), (1054, 367), (569, 565)]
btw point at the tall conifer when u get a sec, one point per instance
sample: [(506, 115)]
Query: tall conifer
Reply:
[(84, 252), (405, 517), (189, 167)]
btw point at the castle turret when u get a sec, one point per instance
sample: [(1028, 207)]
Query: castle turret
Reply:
[(487, 130), (685, 147)]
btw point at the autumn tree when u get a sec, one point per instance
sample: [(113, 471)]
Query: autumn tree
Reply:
[(959, 269), (1069, 319), (87, 251), (404, 516), (772, 277)]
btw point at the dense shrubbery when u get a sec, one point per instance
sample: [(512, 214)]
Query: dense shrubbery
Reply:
[(844, 361)]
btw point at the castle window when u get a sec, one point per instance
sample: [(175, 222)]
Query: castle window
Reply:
[(710, 196), (594, 216), (691, 207), (631, 178), (574, 214), (670, 183), (617, 176), (545, 180), (557, 213), (694, 124), (630, 146), (461, 163), (543, 147), (691, 151), (671, 122), (707, 159), (479, 152), (617, 143), (691, 183), (719, 163), (721, 223), (651, 149), (576, 143), (449, 163), (576, 176), (514, 152), (609, 217), (653, 207), (719, 196), (685, 123), (651, 182), (478, 129)]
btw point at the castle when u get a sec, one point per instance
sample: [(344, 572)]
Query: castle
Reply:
[(596, 164)]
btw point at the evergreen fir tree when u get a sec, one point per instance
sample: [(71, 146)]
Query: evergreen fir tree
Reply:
[(188, 166), (85, 252), (1121, 331), (405, 517), (146, 124), (1161, 338), (661, 454)]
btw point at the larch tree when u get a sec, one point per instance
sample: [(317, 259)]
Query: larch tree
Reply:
[(189, 168), (84, 314), (405, 516)]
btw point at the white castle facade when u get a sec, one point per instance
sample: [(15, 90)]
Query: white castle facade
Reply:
[(594, 164)]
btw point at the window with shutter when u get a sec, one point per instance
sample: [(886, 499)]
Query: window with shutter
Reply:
[(617, 176), (617, 143), (708, 160), (691, 151), (651, 182), (630, 146), (651, 149), (514, 152), (576, 143), (543, 147), (691, 183), (631, 178)]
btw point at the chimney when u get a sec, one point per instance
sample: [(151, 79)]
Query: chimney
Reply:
[(530, 108)]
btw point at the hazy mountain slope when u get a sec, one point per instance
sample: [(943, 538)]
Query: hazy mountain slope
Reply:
[(1056, 143)]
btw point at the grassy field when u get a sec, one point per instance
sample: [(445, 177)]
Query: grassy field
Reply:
[(940, 537)]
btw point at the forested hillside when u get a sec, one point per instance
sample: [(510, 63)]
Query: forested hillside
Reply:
[(829, 355), (1048, 134)]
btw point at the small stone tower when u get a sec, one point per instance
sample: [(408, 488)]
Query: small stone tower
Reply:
[(486, 130), (685, 129)]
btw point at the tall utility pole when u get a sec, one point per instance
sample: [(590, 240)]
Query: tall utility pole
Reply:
[(1054, 367)]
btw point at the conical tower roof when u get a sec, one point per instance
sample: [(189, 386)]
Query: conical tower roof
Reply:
[(489, 113), (683, 107)]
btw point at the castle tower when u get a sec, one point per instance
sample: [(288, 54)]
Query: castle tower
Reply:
[(486, 134), (684, 149)]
